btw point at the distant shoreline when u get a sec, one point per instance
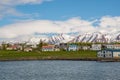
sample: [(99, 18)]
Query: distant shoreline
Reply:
[(58, 59), (51, 59)]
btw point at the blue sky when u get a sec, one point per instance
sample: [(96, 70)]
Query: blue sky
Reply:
[(41, 16), (64, 9)]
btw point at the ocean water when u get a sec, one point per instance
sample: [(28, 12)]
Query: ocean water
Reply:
[(59, 70)]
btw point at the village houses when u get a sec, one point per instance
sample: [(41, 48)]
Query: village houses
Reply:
[(96, 47), (108, 53), (113, 46), (111, 51)]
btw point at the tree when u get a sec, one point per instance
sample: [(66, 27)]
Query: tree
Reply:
[(39, 46), (4, 46), (23, 45)]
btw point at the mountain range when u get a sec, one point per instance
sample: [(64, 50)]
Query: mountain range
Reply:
[(84, 37)]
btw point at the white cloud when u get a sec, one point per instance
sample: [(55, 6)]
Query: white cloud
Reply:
[(18, 2), (109, 24), (30, 27), (7, 7)]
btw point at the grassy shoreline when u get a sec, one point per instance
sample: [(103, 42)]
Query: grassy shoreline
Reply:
[(60, 55)]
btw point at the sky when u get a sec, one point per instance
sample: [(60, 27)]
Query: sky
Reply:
[(24, 18)]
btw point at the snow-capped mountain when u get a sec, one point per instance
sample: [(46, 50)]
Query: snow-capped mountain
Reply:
[(56, 39), (115, 37), (98, 37), (61, 38), (92, 37), (85, 37), (36, 40)]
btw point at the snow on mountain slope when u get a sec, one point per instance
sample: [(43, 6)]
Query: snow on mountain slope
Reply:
[(98, 37), (36, 40), (115, 37), (56, 39), (61, 38), (86, 37)]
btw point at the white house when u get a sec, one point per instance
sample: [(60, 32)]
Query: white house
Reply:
[(34, 45), (56, 48), (9, 48), (100, 54), (113, 46), (116, 54), (96, 47), (110, 53), (105, 54), (110, 46), (85, 47), (73, 47), (28, 49)]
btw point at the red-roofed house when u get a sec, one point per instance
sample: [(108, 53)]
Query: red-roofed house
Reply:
[(48, 48), (13, 47), (116, 46)]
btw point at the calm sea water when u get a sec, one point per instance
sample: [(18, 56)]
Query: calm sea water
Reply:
[(59, 70)]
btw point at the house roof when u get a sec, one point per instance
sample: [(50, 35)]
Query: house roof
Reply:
[(113, 44), (117, 45), (12, 46), (49, 46)]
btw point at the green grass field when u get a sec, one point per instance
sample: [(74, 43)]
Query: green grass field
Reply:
[(19, 55)]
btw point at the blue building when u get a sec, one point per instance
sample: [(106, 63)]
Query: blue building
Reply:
[(109, 53), (73, 47)]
